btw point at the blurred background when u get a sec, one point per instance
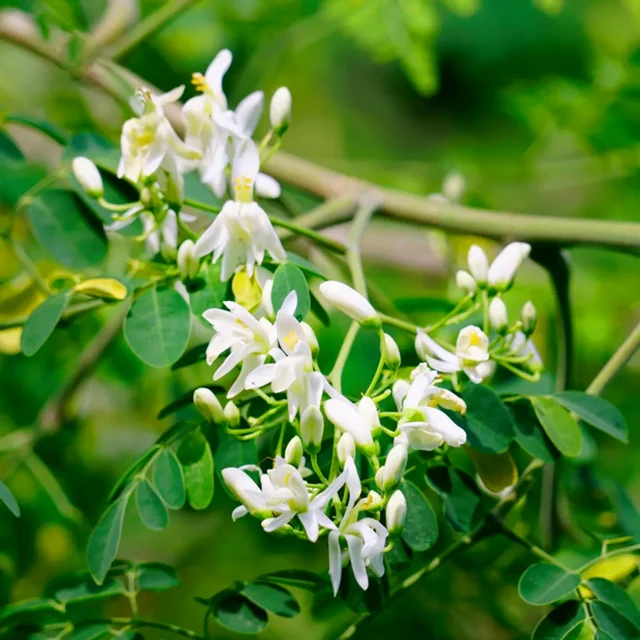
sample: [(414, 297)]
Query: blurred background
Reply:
[(535, 103)]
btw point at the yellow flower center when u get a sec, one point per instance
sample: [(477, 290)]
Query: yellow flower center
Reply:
[(474, 339), (291, 340), (199, 82), (242, 187), (144, 139)]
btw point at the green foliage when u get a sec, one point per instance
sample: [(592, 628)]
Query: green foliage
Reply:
[(151, 508), (558, 424), (543, 584), (236, 612), (617, 598), (272, 597), (561, 623), (421, 525), (42, 322), (169, 479), (158, 326), (529, 433), (289, 278), (612, 623), (105, 539), (206, 291), (196, 459), (595, 411), (9, 500)]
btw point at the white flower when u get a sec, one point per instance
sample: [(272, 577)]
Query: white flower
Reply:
[(522, 346), (498, 315), (478, 264), (391, 473), (472, 348), (423, 426), (350, 302), (288, 496), (350, 419), (242, 231), (312, 427), (365, 539), (396, 512), (280, 110), (208, 405), (88, 176), (504, 267), (390, 352), (246, 491), (249, 340)]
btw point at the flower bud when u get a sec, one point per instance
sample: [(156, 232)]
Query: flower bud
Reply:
[(88, 176), (478, 264), (373, 501), (396, 512), (453, 186), (498, 315), (232, 414), (280, 110), (390, 352), (346, 448), (466, 281), (293, 452), (208, 405), (267, 187), (350, 302), (379, 478), (529, 319), (504, 267), (312, 428), (188, 264), (394, 468), (310, 337)]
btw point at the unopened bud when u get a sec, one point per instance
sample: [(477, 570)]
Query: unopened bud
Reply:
[(208, 405), (466, 281), (453, 186), (310, 337), (188, 264), (346, 448), (88, 176), (293, 452), (373, 501), (396, 512), (232, 414), (503, 268), (498, 315), (393, 469), (478, 264), (350, 302), (390, 352), (529, 318), (312, 428), (280, 110)]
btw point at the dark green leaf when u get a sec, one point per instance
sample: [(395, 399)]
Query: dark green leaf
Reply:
[(49, 129), (192, 356), (92, 631), (9, 151), (151, 509), (37, 610), (232, 452), (90, 591), (272, 597), (560, 622), (105, 539), (595, 411), (304, 265), (613, 623), (131, 471), (42, 322), (318, 310), (297, 578), (156, 576), (169, 481), (236, 612), (206, 291), (615, 596), (399, 556), (372, 600), (530, 435), (544, 583), (195, 457), (93, 146), (158, 326), (488, 423), (289, 278), (558, 424), (424, 303), (421, 525), (7, 497), (68, 229), (459, 496)]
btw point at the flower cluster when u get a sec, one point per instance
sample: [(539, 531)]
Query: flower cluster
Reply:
[(357, 449)]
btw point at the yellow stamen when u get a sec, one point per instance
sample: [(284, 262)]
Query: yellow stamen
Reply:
[(291, 340), (475, 340), (242, 187), (199, 82)]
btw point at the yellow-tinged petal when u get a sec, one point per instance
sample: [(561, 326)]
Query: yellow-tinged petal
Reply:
[(105, 288), (497, 471), (246, 291), (614, 569), (10, 341)]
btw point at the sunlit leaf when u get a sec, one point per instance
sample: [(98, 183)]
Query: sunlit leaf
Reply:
[(616, 597), (497, 471), (595, 411), (613, 623), (558, 424), (545, 583), (105, 288)]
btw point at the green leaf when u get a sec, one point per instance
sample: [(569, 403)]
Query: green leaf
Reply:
[(206, 291), (93, 631), (530, 435), (36, 610), (232, 452), (615, 596), (613, 623), (158, 326), (544, 583), (42, 322), (297, 578), (156, 576), (7, 497), (558, 424), (424, 303), (497, 471), (151, 509), (192, 356), (272, 597), (318, 310), (93, 146), (595, 411), (105, 539), (185, 400), (195, 457), (289, 278), (131, 471), (304, 265), (169, 481), (559, 623), (49, 129), (68, 229), (421, 524), (488, 423), (459, 496), (86, 591), (236, 612)]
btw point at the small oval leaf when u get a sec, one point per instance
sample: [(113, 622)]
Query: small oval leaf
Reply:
[(42, 322), (151, 509), (7, 497), (195, 457), (544, 583), (286, 279), (272, 597), (420, 530), (497, 471), (612, 623), (105, 539), (558, 424), (236, 612), (104, 288), (560, 622), (615, 596), (156, 576), (169, 481)]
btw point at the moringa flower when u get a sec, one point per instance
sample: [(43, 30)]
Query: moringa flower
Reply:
[(350, 302), (88, 176)]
